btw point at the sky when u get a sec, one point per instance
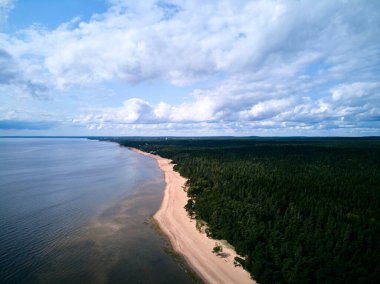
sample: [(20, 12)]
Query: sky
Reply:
[(190, 68)]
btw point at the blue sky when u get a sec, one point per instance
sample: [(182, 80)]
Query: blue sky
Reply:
[(117, 67)]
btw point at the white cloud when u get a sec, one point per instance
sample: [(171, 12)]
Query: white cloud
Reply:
[(5, 7), (267, 109), (272, 64), (133, 41), (354, 91), (229, 111)]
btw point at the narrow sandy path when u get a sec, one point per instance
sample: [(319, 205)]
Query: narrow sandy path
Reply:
[(196, 247)]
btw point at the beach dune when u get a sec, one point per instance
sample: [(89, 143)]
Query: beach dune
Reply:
[(193, 245)]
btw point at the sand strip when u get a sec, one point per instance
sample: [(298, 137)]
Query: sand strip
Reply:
[(195, 246)]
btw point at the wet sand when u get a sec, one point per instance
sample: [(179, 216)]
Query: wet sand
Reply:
[(192, 244)]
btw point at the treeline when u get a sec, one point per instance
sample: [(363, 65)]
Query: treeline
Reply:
[(300, 210)]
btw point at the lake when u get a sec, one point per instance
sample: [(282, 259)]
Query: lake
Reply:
[(78, 211)]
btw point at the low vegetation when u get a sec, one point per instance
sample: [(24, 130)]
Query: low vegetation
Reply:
[(218, 249)]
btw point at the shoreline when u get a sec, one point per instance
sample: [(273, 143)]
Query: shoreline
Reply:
[(194, 246)]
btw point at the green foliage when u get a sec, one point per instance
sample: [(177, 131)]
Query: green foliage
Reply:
[(300, 210), (217, 249), (238, 261), (190, 207)]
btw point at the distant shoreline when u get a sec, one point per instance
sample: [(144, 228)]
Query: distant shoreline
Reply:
[(194, 246)]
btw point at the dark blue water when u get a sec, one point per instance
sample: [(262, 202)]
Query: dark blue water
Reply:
[(75, 211)]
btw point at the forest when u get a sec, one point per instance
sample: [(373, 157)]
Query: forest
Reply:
[(300, 210)]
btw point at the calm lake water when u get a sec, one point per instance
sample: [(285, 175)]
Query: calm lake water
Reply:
[(76, 211)]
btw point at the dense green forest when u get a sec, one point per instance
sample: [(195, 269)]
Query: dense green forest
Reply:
[(302, 210)]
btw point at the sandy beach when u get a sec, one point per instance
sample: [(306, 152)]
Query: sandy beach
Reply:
[(193, 245)]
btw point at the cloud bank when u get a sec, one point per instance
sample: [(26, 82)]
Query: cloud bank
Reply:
[(267, 65)]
